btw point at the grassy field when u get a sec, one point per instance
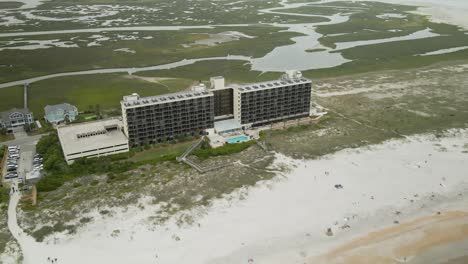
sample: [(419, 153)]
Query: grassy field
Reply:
[(388, 62), (107, 90), (11, 97), (8, 5), (233, 71), (162, 150), (104, 90)]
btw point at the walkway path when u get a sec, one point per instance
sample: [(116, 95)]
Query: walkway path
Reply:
[(13, 226), (25, 95), (195, 165)]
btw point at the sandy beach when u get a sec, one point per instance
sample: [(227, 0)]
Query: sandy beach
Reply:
[(404, 200)]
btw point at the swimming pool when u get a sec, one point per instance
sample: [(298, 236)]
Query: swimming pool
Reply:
[(237, 139)]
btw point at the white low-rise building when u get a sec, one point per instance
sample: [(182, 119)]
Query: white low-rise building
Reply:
[(92, 139)]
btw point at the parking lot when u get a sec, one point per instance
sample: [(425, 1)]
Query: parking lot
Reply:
[(12, 163), (26, 157), (22, 162)]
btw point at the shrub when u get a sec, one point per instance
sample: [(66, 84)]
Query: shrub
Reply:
[(51, 182), (4, 195), (42, 233), (227, 149), (94, 182), (104, 212), (2, 151), (85, 220)]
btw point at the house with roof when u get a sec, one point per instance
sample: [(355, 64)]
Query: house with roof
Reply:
[(56, 114), (16, 117)]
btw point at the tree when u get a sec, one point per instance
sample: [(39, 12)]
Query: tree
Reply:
[(47, 142)]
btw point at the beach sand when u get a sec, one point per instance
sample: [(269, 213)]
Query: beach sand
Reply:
[(386, 210)]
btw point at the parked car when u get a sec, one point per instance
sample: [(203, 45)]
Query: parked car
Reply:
[(8, 176), (11, 169), (13, 148)]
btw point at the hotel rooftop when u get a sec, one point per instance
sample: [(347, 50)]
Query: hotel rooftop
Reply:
[(271, 84), (135, 100), (97, 135)]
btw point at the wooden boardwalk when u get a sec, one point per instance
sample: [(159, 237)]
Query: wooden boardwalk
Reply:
[(195, 165)]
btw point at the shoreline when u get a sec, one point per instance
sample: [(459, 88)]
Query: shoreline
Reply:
[(430, 237)]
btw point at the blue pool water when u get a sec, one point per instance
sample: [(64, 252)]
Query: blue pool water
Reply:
[(237, 139)]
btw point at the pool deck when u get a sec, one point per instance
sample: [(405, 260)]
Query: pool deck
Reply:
[(217, 140)]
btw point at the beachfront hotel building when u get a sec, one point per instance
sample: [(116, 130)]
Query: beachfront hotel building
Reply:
[(267, 102), (222, 96), (155, 119), (149, 120)]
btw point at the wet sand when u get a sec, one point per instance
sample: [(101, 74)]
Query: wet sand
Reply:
[(431, 239)]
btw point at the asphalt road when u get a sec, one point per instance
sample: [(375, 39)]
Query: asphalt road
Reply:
[(22, 141), (26, 158)]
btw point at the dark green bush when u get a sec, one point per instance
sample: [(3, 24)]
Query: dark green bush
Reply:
[(58, 172), (4, 195), (205, 151), (85, 220), (42, 233), (2, 151), (94, 182)]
